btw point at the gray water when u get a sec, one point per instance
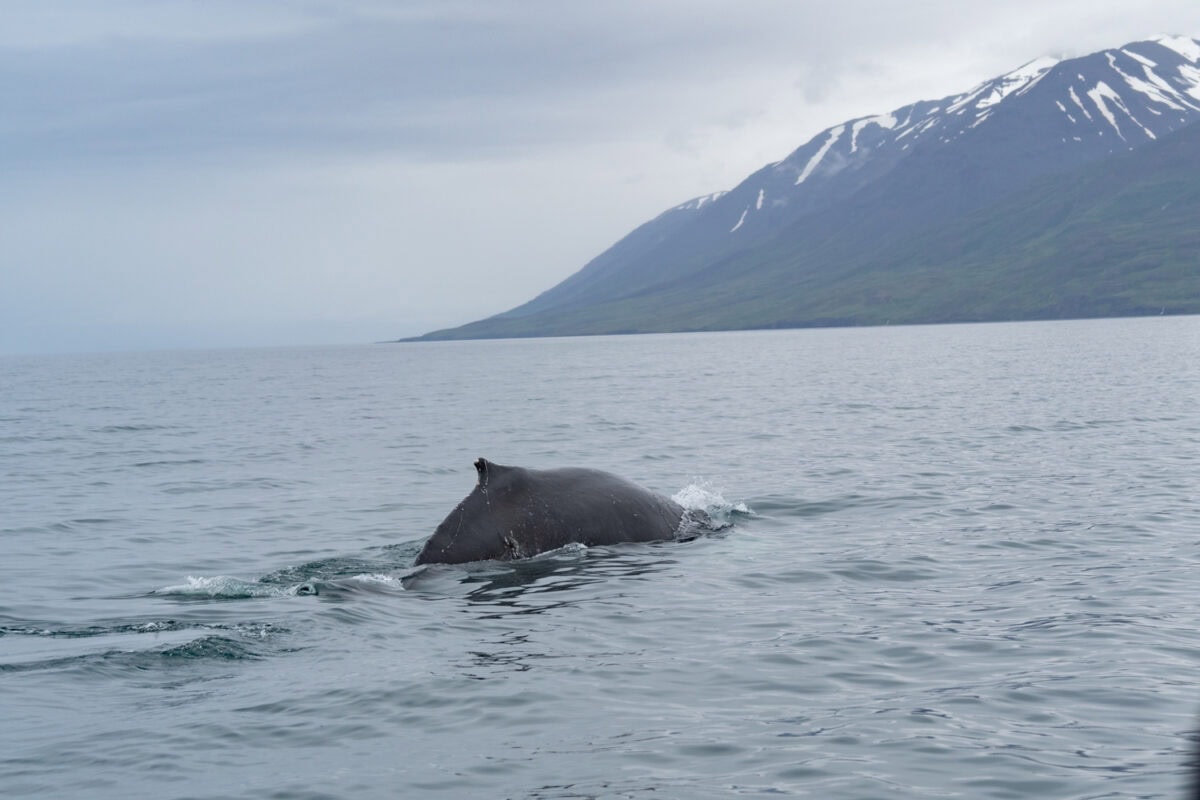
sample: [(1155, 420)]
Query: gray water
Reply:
[(961, 561)]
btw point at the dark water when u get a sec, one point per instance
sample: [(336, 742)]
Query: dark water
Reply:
[(963, 562)]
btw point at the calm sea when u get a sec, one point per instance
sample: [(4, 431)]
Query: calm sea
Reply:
[(963, 561)]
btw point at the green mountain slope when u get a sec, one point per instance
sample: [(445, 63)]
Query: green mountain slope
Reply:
[(1117, 238)]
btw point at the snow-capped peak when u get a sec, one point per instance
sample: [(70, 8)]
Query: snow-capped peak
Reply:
[(992, 92), (1186, 47), (1047, 114)]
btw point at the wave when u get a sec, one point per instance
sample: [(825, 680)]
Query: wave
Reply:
[(394, 557), (171, 462), (373, 583), (227, 484), (380, 581), (133, 428), (227, 587), (31, 648), (327, 576), (390, 567)]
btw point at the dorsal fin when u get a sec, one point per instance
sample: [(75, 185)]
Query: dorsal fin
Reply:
[(481, 469)]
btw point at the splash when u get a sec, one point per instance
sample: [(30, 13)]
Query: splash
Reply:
[(702, 497)]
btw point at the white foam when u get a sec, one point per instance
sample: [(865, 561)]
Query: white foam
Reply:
[(703, 497), (390, 581), (225, 586)]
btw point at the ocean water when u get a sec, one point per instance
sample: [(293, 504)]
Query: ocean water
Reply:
[(960, 561)]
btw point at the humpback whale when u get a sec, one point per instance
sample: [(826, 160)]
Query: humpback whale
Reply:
[(515, 512)]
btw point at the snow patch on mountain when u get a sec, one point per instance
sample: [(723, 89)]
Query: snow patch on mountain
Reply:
[(1188, 48), (834, 135), (1103, 92), (1192, 76), (741, 219), (1117, 98), (885, 121), (1137, 57), (1018, 81), (1078, 102), (1154, 88), (698, 203)]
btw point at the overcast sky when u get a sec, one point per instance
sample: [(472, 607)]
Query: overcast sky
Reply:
[(224, 172)]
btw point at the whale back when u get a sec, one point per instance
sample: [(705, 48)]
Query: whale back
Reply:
[(514, 512)]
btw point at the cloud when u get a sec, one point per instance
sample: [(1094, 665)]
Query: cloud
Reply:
[(244, 165), (471, 80)]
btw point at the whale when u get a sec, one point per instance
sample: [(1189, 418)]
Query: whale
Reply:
[(514, 513)]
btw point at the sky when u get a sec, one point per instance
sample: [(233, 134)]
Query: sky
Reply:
[(215, 173)]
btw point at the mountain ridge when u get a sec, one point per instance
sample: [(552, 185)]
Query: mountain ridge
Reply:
[(798, 228)]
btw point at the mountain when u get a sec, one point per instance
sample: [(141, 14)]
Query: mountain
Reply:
[(1061, 189)]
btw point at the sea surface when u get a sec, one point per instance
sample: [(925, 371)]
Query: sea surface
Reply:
[(957, 562)]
